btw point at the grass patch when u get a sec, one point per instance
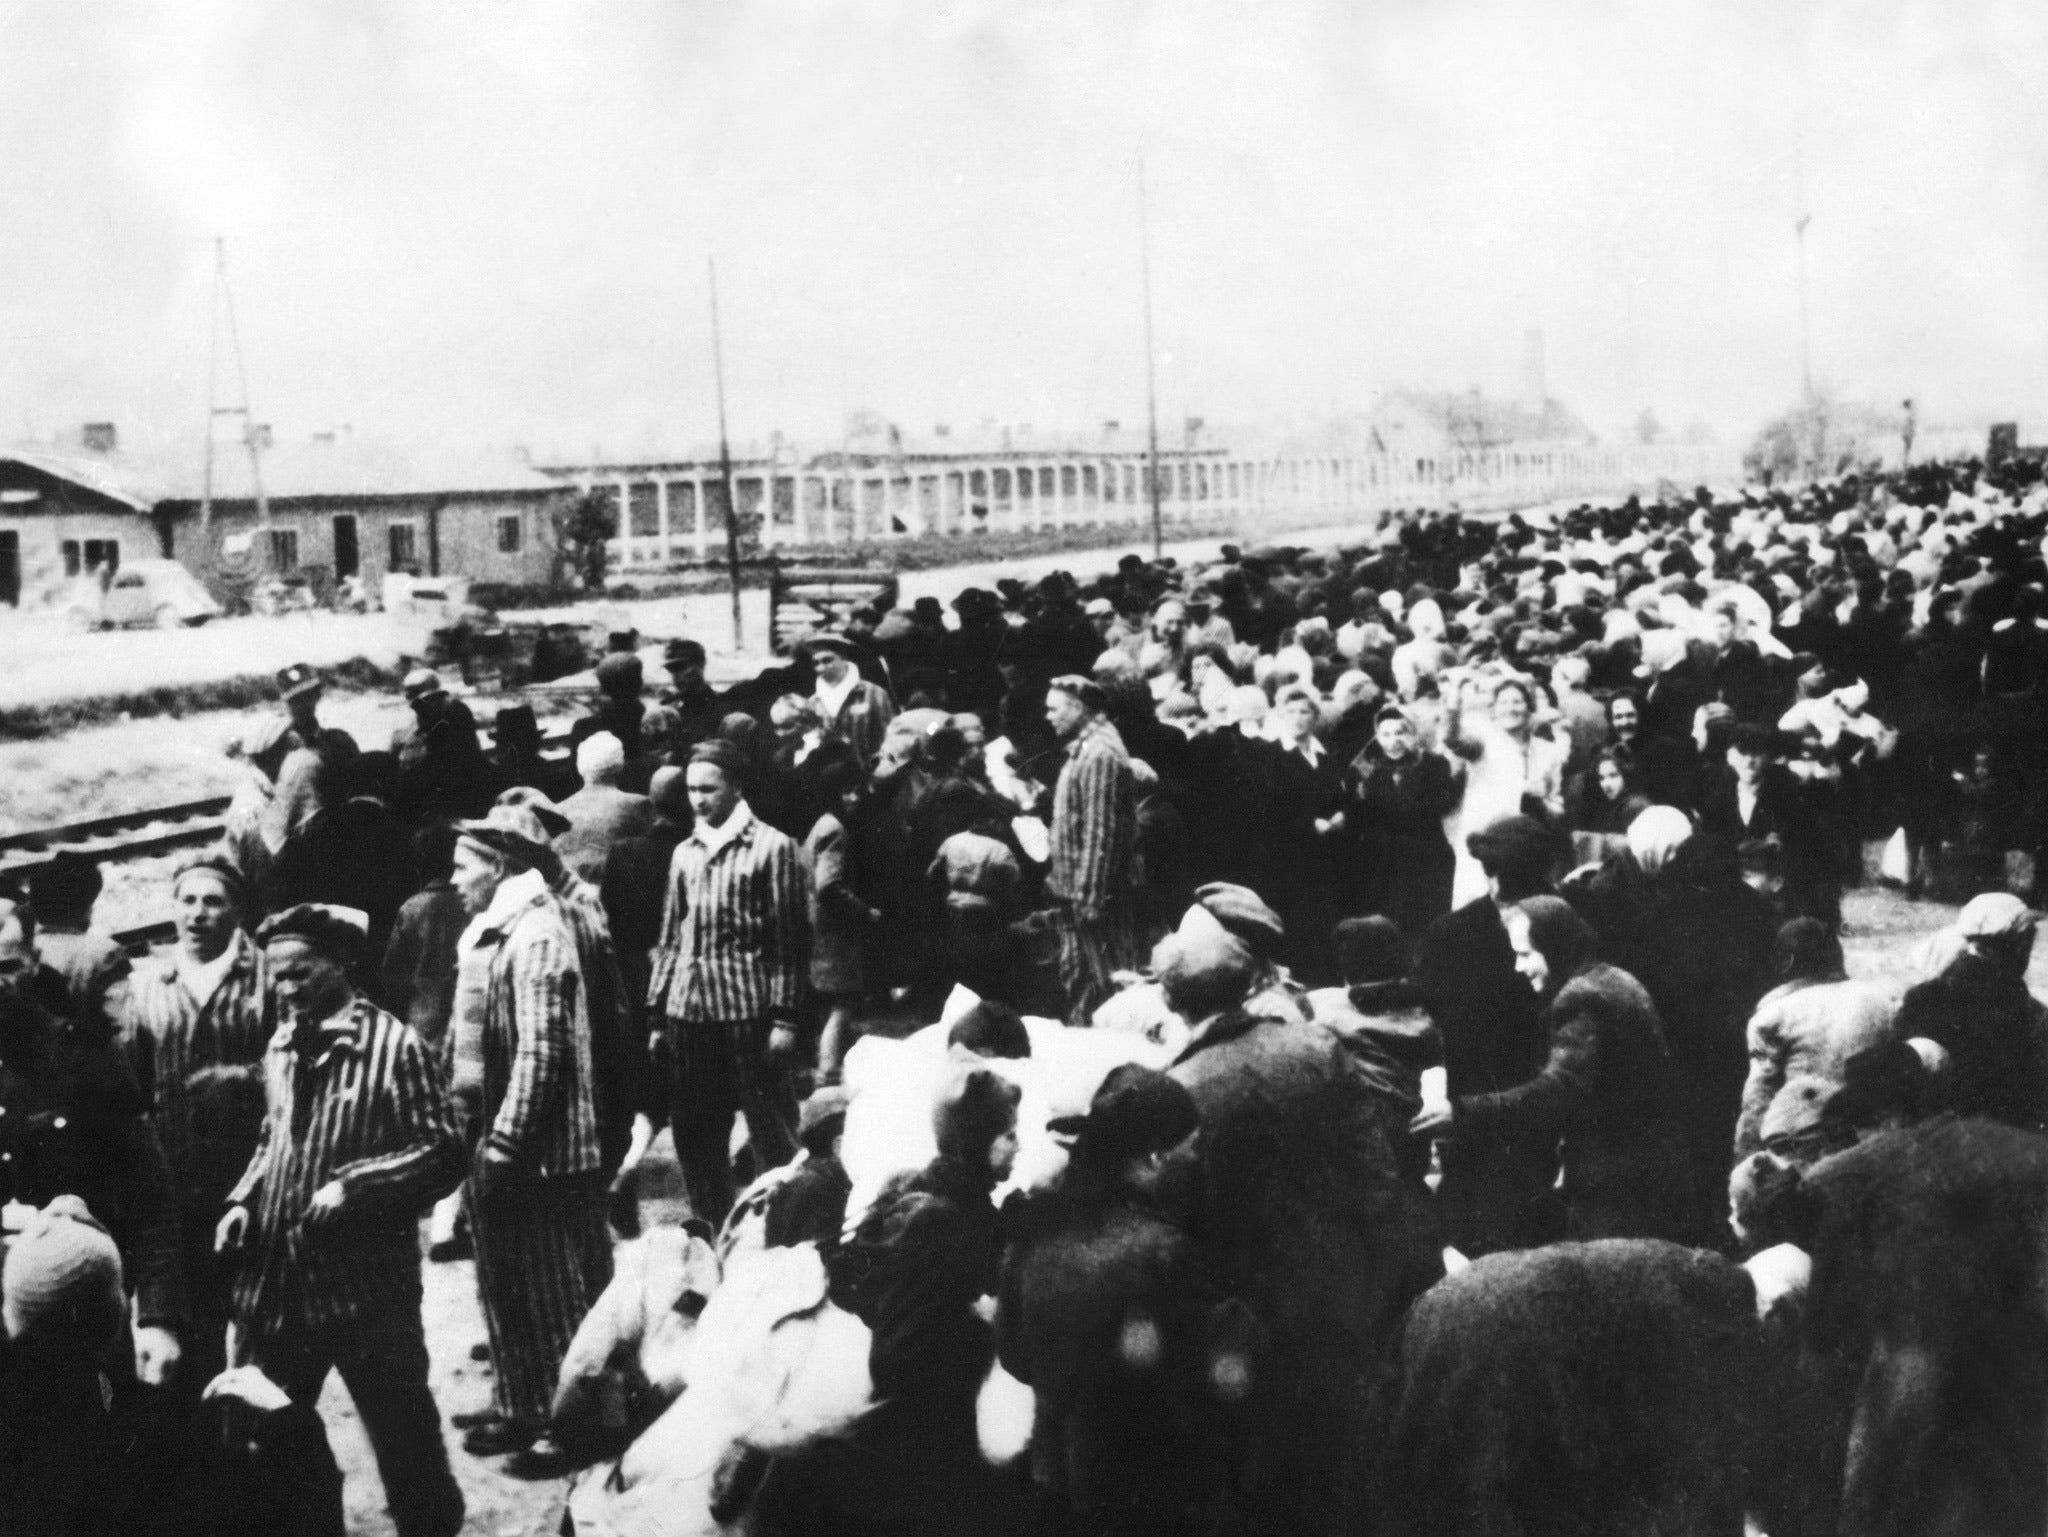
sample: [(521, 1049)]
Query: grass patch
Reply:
[(33, 722)]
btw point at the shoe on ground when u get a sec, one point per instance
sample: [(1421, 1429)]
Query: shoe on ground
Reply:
[(500, 1437), (470, 1419), (545, 1458)]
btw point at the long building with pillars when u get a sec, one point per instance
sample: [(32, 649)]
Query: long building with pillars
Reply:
[(672, 511)]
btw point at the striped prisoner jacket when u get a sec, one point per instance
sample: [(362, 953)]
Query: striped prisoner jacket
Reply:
[(1094, 824), (365, 1106), (170, 1035), (539, 1104), (734, 932)]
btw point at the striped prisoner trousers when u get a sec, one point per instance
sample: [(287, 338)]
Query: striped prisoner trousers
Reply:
[(1090, 950), (542, 1257), (722, 1069)]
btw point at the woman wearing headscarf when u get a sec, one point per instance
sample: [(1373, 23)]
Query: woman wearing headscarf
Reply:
[(1206, 673), (1352, 714), (1112, 1237), (1423, 654), (1606, 1092), (1699, 939), (1619, 898)]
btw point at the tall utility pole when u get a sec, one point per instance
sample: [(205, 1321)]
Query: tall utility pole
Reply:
[(212, 386), (732, 501), (1151, 364), (224, 300), (1800, 219)]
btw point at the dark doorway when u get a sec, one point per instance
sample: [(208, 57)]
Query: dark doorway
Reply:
[(10, 567), (347, 560)]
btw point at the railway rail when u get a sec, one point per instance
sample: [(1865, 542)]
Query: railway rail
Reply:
[(145, 834)]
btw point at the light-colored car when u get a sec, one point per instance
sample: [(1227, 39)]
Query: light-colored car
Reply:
[(143, 592)]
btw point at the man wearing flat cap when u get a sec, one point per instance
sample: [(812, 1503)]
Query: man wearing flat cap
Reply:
[(524, 1075), (852, 709), (311, 786), (442, 771), (728, 981), (1979, 1010), (698, 707), (358, 1140), (1094, 871), (1300, 1204), (1247, 916)]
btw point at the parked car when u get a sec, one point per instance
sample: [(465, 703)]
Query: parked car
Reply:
[(142, 592)]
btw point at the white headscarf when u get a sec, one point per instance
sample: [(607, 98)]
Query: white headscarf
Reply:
[(1655, 836)]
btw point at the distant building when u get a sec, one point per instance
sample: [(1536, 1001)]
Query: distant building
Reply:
[(338, 506), (64, 514), (1418, 424), (342, 506)]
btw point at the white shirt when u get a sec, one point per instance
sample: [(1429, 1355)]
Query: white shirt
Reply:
[(202, 979), (712, 839), (1308, 745), (832, 696)]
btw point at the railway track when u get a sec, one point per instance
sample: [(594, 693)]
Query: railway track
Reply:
[(157, 830), (144, 834)]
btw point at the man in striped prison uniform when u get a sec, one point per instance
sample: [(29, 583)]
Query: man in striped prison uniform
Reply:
[(728, 979), (618, 1040), (195, 1029), (523, 1071), (1094, 833), (358, 1140)]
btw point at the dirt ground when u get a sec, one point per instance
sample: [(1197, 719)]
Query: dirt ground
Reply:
[(498, 1506)]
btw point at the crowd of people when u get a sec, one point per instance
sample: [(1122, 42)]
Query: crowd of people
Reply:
[(1494, 869)]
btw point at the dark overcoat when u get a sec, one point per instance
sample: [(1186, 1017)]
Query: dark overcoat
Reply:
[(1303, 1216), (1496, 1190), (1607, 1096)]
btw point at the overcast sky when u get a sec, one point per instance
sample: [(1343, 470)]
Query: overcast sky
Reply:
[(488, 222)]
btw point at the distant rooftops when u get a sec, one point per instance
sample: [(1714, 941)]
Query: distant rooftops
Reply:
[(347, 465), (330, 465)]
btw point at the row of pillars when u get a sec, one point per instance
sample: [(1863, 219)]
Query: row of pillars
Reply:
[(665, 518)]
